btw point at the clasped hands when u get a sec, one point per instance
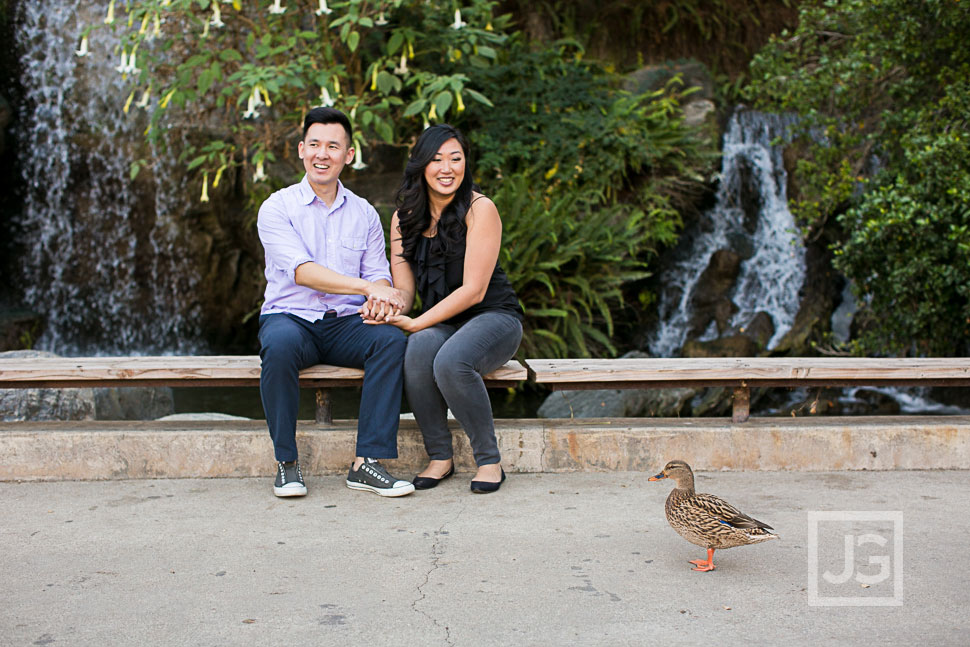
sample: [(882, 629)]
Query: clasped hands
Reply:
[(384, 307)]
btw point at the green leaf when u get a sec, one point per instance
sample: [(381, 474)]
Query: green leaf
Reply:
[(198, 161), (353, 40), (442, 101)]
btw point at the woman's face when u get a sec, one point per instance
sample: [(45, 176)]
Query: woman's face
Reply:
[(445, 172)]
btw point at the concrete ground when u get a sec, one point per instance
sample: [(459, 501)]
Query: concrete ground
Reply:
[(552, 559)]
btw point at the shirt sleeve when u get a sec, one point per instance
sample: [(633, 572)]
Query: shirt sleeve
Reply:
[(284, 248), (373, 264)]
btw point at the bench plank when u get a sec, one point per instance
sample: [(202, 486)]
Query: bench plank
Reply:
[(746, 371), (212, 370)]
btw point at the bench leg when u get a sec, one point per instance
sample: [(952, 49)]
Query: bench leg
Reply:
[(324, 412), (742, 404)]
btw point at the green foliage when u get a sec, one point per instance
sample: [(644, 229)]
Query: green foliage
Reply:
[(589, 180), (561, 122), (881, 86), (244, 73), (568, 260)]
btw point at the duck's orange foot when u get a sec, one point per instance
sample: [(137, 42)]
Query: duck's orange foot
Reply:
[(704, 565)]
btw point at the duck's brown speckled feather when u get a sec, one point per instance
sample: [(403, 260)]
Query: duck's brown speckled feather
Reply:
[(708, 521)]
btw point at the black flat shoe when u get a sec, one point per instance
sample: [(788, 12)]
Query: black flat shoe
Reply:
[(428, 482), (484, 487)]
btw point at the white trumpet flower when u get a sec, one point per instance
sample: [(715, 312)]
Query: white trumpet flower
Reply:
[(276, 9), (110, 18), (324, 9), (358, 157), (216, 16), (381, 20), (259, 175), (325, 98), (143, 102), (83, 50), (459, 23), (402, 67)]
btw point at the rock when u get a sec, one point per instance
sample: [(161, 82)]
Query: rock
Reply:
[(710, 300), (734, 346), (696, 112), (653, 77), (18, 405), (667, 403), (590, 404), (761, 329), (19, 328), (133, 403)]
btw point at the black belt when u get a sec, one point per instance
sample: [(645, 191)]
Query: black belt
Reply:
[(330, 314)]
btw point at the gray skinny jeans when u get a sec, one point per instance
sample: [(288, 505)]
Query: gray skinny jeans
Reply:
[(443, 369)]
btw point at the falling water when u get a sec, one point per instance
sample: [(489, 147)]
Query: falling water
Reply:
[(98, 255), (774, 270)]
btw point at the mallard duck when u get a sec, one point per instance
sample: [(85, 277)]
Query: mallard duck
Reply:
[(706, 520)]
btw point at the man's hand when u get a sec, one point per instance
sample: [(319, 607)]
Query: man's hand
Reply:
[(385, 293), (377, 311)]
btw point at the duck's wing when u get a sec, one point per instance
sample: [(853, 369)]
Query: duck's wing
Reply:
[(727, 513)]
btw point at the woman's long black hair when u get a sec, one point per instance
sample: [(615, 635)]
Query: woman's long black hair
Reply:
[(413, 213)]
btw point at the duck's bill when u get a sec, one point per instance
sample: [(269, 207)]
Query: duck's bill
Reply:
[(658, 477)]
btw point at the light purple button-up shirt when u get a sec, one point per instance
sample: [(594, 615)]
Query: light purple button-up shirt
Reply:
[(295, 226)]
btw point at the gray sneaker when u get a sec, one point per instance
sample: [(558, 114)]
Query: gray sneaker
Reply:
[(374, 477), (289, 480)]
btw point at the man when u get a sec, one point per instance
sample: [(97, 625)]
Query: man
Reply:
[(324, 257)]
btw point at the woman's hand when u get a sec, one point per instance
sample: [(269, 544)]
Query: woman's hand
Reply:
[(404, 322)]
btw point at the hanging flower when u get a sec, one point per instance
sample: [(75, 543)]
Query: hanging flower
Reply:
[(324, 9), (144, 24), (110, 18), (157, 31), (122, 67), (381, 20), (83, 50), (128, 102), (251, 111), (205, 188), (325, 99), (358, 157), (166, 99), (259, 175), (215, 182), (459, 23), (461, 104), (433, 113), (402, 67), (216, 16), (143, 102), (276, 9), (132, 68)]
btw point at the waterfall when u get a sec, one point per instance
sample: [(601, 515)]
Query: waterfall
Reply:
[(103, 263), (750, 217)]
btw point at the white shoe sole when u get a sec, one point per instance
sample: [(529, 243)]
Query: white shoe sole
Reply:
[(395, 491), (289, 491)]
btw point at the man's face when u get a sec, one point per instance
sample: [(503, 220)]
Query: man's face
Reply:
[(325, 151)]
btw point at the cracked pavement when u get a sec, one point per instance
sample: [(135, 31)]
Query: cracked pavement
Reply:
[(551, 559)]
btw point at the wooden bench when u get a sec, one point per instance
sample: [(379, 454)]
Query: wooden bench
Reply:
[(742, 373), (225, 370)]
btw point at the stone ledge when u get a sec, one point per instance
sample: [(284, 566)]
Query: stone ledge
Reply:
[(200, 449)]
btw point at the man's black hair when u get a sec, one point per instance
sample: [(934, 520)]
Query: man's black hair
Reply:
[(324, 115)]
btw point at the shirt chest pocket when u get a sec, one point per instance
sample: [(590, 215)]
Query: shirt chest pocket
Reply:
[(351, 250)]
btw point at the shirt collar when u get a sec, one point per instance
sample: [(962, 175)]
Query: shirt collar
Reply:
[(307, 196)]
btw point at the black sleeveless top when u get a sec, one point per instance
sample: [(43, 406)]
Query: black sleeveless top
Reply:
[(437, 275)]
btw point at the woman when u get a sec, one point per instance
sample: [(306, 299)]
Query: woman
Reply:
[(445, 240)]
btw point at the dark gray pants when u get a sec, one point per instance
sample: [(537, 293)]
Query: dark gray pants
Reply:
[(443, 369)]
